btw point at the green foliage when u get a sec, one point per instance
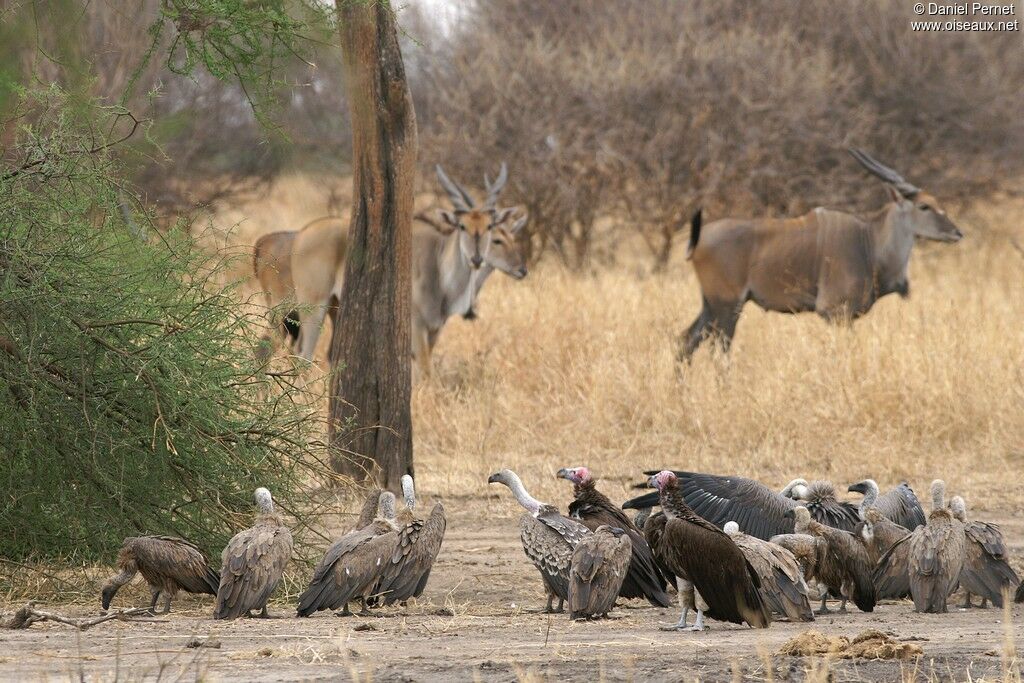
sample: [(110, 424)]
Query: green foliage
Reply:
[(130, 401)]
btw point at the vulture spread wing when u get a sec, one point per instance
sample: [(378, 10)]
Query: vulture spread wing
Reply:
[(165, 560), (419, 542), (986, 572), (936, 560), (782, 582), (599, 565), (902, 506), (252, 565)]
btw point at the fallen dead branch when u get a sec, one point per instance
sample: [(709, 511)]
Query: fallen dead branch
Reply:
[(28, 615)]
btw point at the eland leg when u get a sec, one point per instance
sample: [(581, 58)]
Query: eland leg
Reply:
[(694, 336)]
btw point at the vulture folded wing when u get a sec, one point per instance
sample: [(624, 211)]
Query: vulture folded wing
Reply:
[(891, 575), (253, 563), (336, 580), (988, 536), (177, 559), (413, 557), (549, 552), (986, 572), (902, 506)]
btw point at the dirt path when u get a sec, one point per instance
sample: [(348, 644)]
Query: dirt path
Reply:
[(475, 624)]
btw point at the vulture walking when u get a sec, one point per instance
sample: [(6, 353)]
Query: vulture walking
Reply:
[(167, 564), (419, 541), (928, 562), (253, 562), (352, 565), (782, 582), (899, 504), (599, 566), (703, 557), (549, 538), (986, 571), (594, 509), (842, 563), (885, 532)]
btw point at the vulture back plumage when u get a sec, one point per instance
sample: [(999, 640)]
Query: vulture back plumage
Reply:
[(782, 582), (899, 505), (167, 564), (986, 571), (842, 564), (599, 565), (419, 542), (937, 552), (253, 562)]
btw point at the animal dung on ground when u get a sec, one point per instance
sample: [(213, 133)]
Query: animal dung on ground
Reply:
[(870, 644)]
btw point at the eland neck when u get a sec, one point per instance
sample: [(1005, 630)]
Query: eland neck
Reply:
[(457, 276), (894, 239)]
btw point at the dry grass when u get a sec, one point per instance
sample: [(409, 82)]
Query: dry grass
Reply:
[(568, 369)]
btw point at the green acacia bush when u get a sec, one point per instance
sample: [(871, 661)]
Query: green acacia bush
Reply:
[(130, 401)]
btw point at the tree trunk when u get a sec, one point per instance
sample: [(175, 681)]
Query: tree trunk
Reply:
[(370, 429)]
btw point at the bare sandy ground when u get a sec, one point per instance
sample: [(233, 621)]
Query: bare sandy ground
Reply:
[(476, 623)]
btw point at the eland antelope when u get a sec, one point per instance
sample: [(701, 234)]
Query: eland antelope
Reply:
[(830, 262)]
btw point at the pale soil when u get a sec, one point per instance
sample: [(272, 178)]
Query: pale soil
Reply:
[(474, 625)]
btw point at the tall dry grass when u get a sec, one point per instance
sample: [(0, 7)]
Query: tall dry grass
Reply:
[(567, 368)]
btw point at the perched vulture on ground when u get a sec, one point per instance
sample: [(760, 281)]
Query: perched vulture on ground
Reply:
[(899, 504), (599, 565), (928, 562), (594, 509), (819, 497), (843, 565), (167, 564), (806, 549), (370, 508), (701, 554), (782, 582), (352, 566), (986, 572), (549, 538), (253, 562), (419, 542), (885, 532)]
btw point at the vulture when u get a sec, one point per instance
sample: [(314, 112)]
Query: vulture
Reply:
[(782, 582), (928, 562), (819, 497), (842, 562), (253, 562), (986, 571), (885, 532), (419, 542), (549, 538), (702, 556), (352, 566), (1019, 597), (594, 509), (599, 566), (759, 510), (806, 549), (899, 504), (167, 564)]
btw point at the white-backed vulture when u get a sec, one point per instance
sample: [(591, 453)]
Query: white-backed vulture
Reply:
[(599, 566), (806, 549), (698, 552), (253, 562), (594, 509), (986, 572), (782, 583), (819, 497), (167, 564), (899, 504), (842, 566), (352, 566), (419, 541), (885, 532), (549, 538)]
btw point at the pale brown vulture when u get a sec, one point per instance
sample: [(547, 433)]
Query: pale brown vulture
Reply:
[(406, 573), (352, 566), (899, 504), (806, 549), (549, 538), (253, 562), (928, 562), (782, 583), (167, 564), (696, 551), (885, 532), (594, 509), (599, 565), (843, 565), (986, 572)]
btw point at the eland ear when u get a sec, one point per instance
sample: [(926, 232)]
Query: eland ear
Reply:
[(502, 215), (519, 224), (450, 222), (894, 194)]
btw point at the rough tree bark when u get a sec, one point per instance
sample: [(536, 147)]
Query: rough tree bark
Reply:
[(371, 427)]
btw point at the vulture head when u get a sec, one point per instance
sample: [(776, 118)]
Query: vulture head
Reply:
[(864, 487), (512, 480), (108, 594), (796, 489), (662, 480), (958, 507), (408, 492), (264, 502), (938, 494), (800, 515), (577, 475), (731, 528)]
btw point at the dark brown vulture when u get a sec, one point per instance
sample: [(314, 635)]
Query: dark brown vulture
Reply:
[(599, 565), (167, 564), (782, 583), (419, 541), (594, 509), (842, 566), (819, 497), (549, 538), (352, 566), (253, 562), (928, 562), (370, 509), (759, 510), (725, 585), (899, 504), (986, 571)]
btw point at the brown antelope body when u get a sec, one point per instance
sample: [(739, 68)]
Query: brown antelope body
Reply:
[(830, 262)]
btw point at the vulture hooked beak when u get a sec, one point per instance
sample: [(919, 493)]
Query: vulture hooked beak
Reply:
[(108, 595), (494, 478), (859, 487), (563, 473)]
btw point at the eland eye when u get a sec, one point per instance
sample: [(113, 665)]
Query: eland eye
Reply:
[(498, 241), (924, 207)]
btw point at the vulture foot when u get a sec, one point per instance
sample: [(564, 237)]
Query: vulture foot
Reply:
[(967, 602)]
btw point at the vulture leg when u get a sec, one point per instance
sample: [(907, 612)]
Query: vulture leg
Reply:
[(842, 606), (685, 592), (155, 592), (701, 605), (167, 604), (984, 601), (364, 611), (824, 604), (561, 606), (344, 612), (967, 601)]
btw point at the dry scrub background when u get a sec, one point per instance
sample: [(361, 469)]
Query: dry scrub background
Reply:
[(567, 368)]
